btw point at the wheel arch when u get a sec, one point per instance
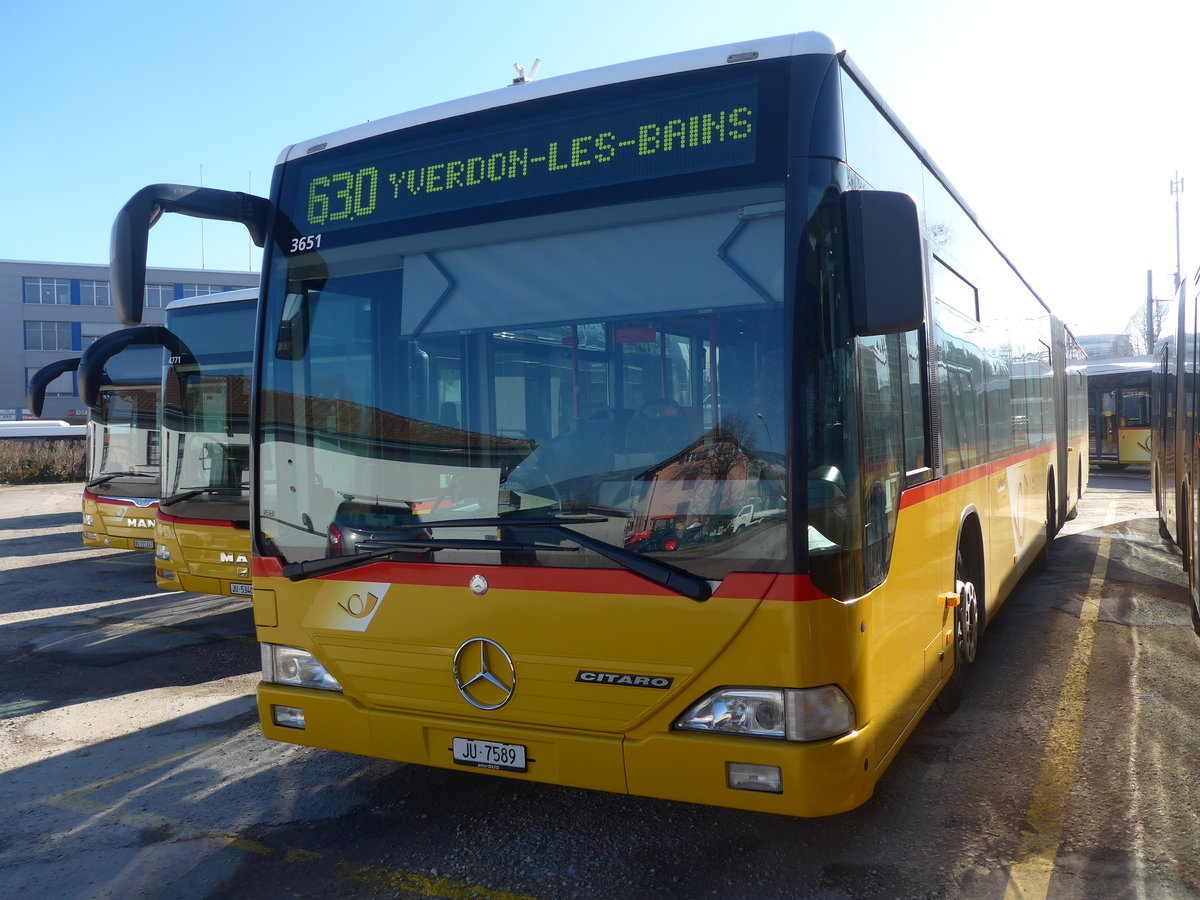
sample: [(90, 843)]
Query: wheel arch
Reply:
[(970, 540)]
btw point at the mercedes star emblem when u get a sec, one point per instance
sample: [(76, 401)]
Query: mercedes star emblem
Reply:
[(484, 674)]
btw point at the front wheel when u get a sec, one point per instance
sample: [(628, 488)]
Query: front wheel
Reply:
[(1042, 561), (966, 634)]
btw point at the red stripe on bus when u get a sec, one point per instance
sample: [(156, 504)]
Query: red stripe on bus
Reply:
[(923, 492), (219, 523), (113, 501), (752, 585), (266, 567), (795, 589)]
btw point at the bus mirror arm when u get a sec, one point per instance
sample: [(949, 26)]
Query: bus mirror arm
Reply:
[(885, 280), (97, 355), (36, 398), (131, 231)]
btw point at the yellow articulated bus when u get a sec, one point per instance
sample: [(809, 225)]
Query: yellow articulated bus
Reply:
[(121, 487), (671, 428), (1175, 432), (202, 531)]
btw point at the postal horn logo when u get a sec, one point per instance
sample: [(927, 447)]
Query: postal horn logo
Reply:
[(484, 674)]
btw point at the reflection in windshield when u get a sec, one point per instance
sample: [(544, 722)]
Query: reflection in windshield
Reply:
[(123, 438), (206, 403), (633, 370)]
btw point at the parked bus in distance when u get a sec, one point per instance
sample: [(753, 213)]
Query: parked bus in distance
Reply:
[(1119, 411), (506, 343), (120, 491), (1175, 440), (202, 535), (49, 430)]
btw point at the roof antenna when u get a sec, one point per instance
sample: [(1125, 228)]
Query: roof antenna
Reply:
[(522, 78)]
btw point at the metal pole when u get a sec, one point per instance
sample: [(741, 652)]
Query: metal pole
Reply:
[(1149, 311), (1177, 189)]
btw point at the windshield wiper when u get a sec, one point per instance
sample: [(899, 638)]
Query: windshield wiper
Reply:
[(196, 492), (663, 574), (104, 479)]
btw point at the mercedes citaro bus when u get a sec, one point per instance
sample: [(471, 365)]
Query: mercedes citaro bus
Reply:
[(523, 358)]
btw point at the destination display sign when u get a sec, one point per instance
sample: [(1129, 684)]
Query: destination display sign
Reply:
[(607, 144)]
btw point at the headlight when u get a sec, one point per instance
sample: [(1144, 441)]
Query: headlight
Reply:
[(162, 552), (87, 519), (291, 665), (812, 714)]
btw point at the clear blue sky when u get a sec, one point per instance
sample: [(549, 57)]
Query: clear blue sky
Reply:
[(1062, 123)]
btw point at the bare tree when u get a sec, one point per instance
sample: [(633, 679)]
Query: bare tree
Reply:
[(1142, 334)]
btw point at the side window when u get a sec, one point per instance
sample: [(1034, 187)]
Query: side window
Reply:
[(883, 390), (962, 387), (954, 290), (912, 380)]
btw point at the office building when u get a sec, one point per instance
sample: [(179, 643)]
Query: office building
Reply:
[(50, 311)]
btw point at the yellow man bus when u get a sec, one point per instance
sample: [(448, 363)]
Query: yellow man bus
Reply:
[(202, 534), (121, 487), (524, 362)]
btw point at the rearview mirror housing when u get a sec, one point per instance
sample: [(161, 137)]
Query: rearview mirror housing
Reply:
[(886, 276)]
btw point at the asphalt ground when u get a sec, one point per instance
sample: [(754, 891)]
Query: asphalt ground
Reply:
[(131, 764)]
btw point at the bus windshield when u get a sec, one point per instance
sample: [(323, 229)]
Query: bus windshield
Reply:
[(123, 439), (625, 363), (206, 401)]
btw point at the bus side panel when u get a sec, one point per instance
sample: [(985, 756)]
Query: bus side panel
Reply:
[(909, 658)]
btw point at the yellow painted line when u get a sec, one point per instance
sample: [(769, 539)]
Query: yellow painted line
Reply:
[(1038, 849), (423, 885), (83, 802)]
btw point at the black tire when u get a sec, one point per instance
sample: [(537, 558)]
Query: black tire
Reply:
[(1042, 561), (1078, 496), (1185, 539), (967, 623)]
